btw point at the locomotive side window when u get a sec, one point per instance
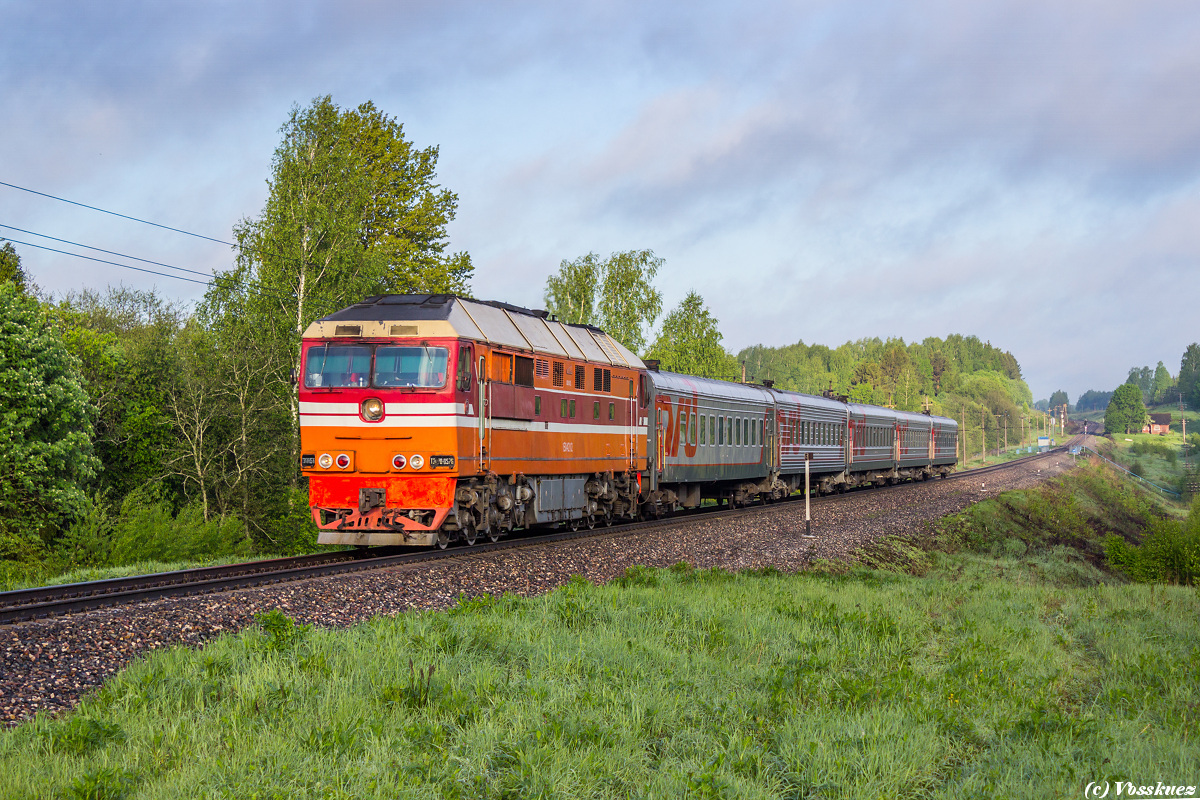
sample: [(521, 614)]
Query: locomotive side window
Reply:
[(729, 430), (702, 429), (692, 428), (423, 367), (596, 409), (562, 410), (502, 365), (537, 405), (612, 411), (712, 430), (465, 358), (737, 433), (523, 373), (572, 408), (339, 365), (720, 438)]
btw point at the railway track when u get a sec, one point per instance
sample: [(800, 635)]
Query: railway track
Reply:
[(47, 601)]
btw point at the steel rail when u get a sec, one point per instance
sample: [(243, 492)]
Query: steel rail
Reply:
[(22, 605)]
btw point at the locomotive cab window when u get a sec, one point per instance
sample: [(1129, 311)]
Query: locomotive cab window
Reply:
[(463, 380), (338, 365), (420, 367)]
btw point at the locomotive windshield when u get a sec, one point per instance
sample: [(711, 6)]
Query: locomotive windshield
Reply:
[(423, 367), (337, 365), (349, 365)]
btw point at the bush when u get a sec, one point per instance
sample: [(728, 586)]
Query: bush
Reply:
[(1170, 554), (145, 529)]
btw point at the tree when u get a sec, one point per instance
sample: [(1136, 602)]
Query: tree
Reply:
[(1162, 384), (10, 267), (616, 294), (46, 456), (406, 213), (1189, 375), (571, 294), (1059, 399), (1125, 413), (939, 364), (690, 342)]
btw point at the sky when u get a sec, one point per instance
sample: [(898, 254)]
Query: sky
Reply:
[(1026, 172)]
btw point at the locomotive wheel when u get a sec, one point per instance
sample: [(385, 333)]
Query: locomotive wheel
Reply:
[(443, 540), (493, 534), (591, 522), (574, 524), (608, 519), (470, 535)]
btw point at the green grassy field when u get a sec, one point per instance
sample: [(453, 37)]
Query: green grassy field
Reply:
[(1002, 660)]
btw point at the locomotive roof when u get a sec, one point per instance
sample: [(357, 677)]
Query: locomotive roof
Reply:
[(430, 315)]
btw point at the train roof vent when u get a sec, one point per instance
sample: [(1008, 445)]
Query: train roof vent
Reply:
[(348, 330), (404, 330)]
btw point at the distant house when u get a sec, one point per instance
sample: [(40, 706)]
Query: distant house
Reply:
[(1160, 424)]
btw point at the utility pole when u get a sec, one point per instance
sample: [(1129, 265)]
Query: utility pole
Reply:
[(1006, 433), (964, 434), (983, 433)]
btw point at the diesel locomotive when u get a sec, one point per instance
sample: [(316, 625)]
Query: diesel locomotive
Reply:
[(432, 419)]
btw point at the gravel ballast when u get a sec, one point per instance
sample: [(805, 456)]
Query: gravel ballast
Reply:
[(50, 664)]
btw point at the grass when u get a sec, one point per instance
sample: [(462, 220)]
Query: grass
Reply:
[(999, 656), (1156, 458), (81, 574)]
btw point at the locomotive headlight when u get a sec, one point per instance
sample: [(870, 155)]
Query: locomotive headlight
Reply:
[(398, 462), (416, 462), (372, 409), (326, 461), (343, 460)]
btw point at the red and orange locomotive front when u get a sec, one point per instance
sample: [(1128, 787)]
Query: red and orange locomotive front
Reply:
[(426, 419)]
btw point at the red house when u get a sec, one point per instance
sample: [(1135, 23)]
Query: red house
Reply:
[(1160, 424)]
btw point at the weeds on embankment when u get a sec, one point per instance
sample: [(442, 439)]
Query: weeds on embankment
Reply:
[(665, 683)]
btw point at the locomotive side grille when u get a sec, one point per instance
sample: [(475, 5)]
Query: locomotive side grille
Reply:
[(580, 372), (558, 373), (598, 380), (608, 380), (542, 367)]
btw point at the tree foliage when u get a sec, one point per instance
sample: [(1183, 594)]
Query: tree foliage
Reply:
[(690, 342), (1059, 399), (1189, 375), (353, 210), (46, 455), (10, 267), (616, 294), (1125, 413)]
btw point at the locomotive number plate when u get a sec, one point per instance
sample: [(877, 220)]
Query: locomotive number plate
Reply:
[(308, 461), (441, 461)]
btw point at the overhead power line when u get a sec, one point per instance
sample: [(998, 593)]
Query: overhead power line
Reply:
[(114, 263), (110, 252), (115, 214)]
